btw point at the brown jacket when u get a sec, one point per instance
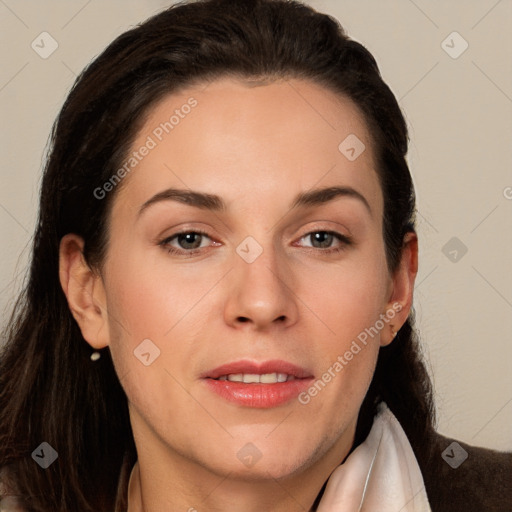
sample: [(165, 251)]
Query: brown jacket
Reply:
[(482, 482)]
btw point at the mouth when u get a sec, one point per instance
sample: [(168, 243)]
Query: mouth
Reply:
[(258, 384)]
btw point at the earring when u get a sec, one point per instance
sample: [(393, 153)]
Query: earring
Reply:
[(95, 356)]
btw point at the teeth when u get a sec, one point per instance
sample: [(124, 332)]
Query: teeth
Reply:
[(254, 378), (269, 378), (250, 378)]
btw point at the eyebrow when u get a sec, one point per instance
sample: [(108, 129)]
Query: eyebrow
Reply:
[(213, 202)]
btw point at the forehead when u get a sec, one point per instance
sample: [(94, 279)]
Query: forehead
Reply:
[(244, 140)]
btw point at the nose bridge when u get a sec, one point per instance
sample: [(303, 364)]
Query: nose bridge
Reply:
[(260, 291)]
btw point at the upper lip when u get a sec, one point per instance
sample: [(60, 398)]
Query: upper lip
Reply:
[(258, 368)]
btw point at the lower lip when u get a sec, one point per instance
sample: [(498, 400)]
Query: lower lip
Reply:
[(263, 396)]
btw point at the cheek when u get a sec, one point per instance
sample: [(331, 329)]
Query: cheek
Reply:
[(148, 298), (348, 302), (348, 297), (148, 295)]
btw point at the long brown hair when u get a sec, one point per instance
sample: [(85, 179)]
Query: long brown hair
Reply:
[(49, 390)]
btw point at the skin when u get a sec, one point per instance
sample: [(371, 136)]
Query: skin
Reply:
[(256, 146)]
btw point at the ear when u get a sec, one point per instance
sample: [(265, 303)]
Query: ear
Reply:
[(84, 291), (401, 289)]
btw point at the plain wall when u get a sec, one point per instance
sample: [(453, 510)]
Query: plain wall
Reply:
[(459, 115)]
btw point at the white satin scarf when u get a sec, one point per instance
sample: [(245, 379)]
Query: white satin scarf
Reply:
[(380, 475)]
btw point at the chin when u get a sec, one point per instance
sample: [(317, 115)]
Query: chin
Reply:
[(263, 470), (263, 459)]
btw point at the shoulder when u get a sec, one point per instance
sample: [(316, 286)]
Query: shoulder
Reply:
[(460, 477), (9, 502)]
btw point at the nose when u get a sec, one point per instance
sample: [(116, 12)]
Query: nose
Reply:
[(261, 294)]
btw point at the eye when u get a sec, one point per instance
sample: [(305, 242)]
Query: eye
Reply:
[(187, 242), (325, 240)]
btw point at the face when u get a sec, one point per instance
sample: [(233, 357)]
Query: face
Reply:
[(245, 248)]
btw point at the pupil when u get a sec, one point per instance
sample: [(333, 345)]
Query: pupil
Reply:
[(323, 238)]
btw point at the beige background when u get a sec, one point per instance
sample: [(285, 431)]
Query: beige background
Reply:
[(459, 113)]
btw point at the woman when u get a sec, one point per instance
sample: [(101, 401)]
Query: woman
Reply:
[(219, 310)]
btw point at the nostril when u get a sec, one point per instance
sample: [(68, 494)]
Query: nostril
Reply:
[(242, 319)]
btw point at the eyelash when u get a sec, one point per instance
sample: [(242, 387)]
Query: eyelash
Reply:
[(343, 239)]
